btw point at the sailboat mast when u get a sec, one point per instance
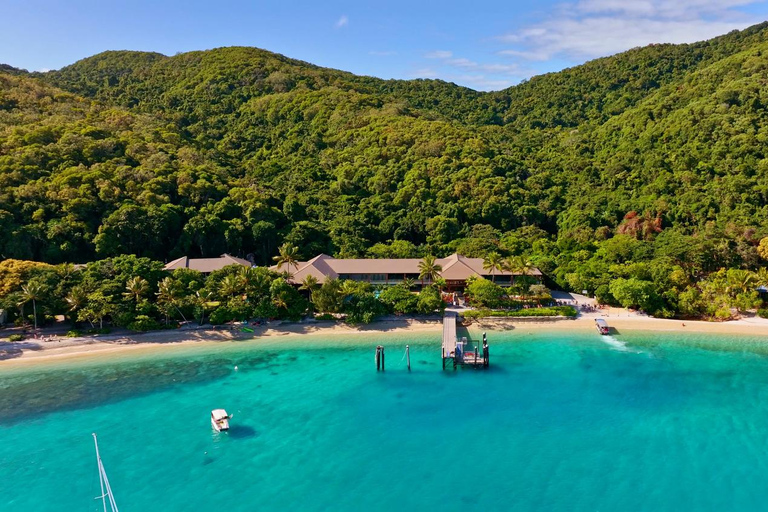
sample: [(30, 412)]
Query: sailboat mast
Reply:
[(106, 490), (101, 477)]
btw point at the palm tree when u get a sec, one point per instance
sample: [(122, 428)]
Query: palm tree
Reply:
[(279, 301), (429, 269), (135, 288), (203, 299), (76, 299), (287, 256), (230, 286), (248, 277), (762, 276), (309, 284), (493, 262), (408, 283), (167, 296), (518, 265), (441, 284), (31, 292), (349, 287)]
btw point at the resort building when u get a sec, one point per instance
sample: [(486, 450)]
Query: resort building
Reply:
[(456, 269), (206, 265)]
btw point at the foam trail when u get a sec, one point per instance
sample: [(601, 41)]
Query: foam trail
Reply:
[(616, 344)]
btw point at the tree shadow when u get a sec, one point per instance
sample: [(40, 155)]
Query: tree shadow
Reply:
[(11, 350)]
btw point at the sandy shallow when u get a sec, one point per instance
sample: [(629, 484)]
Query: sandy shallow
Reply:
[(31, 352)]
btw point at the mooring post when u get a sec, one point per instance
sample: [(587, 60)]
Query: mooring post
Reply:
[(382, 358), (443, 357), (378, 358), (477, 347), (486, 360), (408, 356)]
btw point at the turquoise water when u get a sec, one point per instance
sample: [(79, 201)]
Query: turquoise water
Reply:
[(560, 422)]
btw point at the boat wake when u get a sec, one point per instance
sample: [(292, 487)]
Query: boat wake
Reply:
[(616, 344)]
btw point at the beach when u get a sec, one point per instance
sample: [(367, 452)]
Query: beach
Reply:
[(31, 351)]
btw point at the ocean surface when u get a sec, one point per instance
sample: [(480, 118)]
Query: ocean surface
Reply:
[(560, 421)]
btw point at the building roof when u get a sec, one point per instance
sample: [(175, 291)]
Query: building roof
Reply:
[(206, 265), (455, 267)]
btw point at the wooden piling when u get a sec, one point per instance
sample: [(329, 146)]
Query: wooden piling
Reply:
[(382, 358), (378, 358), (408, 356)]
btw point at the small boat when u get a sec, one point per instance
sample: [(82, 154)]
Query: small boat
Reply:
[(220, 420), (602, 326)]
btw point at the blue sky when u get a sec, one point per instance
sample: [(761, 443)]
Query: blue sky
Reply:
[(485, 45)]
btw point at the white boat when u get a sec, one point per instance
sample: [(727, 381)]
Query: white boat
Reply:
[(220, 420), (602, 326), (106, 490)]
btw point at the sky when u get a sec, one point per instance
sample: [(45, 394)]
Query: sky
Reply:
[(485, 45)]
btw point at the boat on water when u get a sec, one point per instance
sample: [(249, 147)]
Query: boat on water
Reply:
[(220, 420), (602, 326), (106, 489)]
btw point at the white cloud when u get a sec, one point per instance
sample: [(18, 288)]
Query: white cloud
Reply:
[(425, 73), (482, 82), (342, 22), (438, 54), (489, 68), (587, 29), (478, 75)]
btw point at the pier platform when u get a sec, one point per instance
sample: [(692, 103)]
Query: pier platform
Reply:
[(458, 351)]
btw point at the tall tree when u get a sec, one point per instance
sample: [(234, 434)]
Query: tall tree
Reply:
[(429, 269), (493, 262), (136, 288), (31, 292), (287, 256)]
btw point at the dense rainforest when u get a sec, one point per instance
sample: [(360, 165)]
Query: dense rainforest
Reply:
[(641, 177)]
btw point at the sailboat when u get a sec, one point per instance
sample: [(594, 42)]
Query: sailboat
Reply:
[(106, 490)]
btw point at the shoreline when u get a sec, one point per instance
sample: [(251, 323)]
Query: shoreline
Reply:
[(28, 353)]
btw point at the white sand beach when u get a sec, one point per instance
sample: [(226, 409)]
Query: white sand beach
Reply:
[(31, 351)]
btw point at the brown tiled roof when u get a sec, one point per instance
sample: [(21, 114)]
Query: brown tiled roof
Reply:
[(206, 265), (455, 267)]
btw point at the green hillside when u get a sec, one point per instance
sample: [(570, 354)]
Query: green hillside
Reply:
[(644, 167)]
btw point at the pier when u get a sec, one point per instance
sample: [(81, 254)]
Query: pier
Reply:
[(459, 352)]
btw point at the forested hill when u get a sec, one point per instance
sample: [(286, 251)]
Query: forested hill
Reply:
[(648, 165)]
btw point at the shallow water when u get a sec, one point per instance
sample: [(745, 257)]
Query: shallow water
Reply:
[(559, 422)]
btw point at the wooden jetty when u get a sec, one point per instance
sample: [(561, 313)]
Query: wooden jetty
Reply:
[(459, 352)]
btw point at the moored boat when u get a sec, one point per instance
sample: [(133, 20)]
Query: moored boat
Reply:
[(602, 326), (220, 420)]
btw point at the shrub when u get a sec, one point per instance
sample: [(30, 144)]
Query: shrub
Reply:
[(485, 293), (430, 301), (220, 315), (723, 313), (74, 334), (16, 337), (400, 300), (568, 311), (144, 323), (762, 313), (325, 317), (364, 308)]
